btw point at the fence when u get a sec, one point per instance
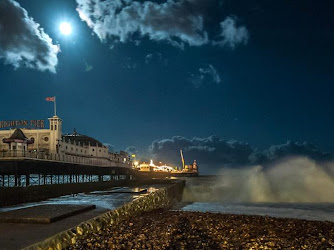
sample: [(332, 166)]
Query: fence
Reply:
[(75, 159)]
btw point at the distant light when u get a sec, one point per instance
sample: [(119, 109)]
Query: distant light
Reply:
[(65, 28)]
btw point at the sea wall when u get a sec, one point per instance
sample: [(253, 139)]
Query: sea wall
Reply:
[(17, 195), (162, 198)]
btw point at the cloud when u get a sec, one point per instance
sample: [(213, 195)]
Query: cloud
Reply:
[(23, 43), (291, 148), (131, 150), (213, 153), (129, 63), (88, 67), (110, 146), (155, 58), (210, 151), (231, 35), (177, 22), (208, 73)]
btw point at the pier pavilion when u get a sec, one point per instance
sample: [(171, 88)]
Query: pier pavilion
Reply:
[(52, 155)]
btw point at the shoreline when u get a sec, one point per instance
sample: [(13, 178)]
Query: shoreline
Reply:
[(169, 229)]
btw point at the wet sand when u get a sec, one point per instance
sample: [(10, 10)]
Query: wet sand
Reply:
[(196, 230)]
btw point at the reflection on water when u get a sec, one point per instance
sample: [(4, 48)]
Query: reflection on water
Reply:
[(108, 201)]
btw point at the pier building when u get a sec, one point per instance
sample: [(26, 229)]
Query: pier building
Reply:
[(30, 139)]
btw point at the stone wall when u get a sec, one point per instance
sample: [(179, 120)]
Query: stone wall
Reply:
[(162, 198), (17, 195)]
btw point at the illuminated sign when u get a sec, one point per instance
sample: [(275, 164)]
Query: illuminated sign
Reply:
[(22, 123)]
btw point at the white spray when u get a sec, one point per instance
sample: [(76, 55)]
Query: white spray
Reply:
[(296, 179)]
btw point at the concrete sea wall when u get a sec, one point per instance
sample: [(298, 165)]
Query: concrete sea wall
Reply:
[(162, 198), (17, 195)]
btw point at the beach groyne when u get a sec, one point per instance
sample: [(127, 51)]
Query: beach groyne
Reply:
[(17, 195), (163, 198)]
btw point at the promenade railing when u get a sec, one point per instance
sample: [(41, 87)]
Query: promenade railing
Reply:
[(85, 160)]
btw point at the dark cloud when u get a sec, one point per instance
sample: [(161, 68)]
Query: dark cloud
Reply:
[(210, 151), (213, 153), (208, 73), (178, 22), (22, 42), (293, 149)]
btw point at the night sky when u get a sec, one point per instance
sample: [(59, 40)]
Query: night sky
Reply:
[(230, 82)]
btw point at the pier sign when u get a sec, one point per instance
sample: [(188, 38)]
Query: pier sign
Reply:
[(22, 123)]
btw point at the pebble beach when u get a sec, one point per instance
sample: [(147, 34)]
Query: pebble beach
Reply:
[(168, 229)]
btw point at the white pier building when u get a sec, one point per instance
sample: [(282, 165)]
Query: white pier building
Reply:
[(50, 144)]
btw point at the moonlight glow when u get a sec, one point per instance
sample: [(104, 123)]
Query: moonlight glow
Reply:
[(65, 28)]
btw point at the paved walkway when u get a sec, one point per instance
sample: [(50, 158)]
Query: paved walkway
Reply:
[(19, 235)]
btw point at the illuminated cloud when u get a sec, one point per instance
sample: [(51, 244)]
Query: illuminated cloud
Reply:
[(178, 22), (23, 43), (131, 150), (232, 35)]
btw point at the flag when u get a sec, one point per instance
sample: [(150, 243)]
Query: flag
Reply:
[(50, 99)]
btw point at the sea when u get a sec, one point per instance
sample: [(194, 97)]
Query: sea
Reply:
[(253, 191)]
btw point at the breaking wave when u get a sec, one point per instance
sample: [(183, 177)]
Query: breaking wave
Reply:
[(296, 179)]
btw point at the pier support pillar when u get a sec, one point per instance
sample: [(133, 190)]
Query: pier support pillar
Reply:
[(27, 179)]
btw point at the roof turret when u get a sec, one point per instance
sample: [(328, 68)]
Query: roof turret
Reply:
[(18, 136)]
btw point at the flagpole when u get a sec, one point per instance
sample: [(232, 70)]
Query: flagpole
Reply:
[(55, 106)]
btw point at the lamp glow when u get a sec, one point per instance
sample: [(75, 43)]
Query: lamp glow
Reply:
[(65, 28)]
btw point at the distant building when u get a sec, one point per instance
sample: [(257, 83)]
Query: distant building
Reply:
[(50, 142)]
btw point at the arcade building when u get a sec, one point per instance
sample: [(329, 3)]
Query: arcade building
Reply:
[(51, 144)]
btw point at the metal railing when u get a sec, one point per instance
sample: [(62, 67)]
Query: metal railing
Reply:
[(85, 160)]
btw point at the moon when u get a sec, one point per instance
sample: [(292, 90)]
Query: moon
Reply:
[(65, 28)]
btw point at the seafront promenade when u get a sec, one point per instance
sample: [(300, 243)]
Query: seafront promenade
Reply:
[(59, 221)]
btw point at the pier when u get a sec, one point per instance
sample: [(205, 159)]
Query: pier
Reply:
[(20, 169)]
